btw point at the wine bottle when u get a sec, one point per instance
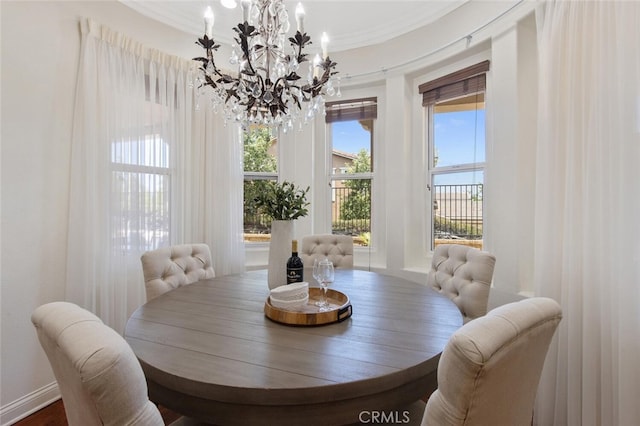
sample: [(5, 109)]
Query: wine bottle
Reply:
[(294, 265)]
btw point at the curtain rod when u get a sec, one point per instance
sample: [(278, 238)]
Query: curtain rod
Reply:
[(468, 38)]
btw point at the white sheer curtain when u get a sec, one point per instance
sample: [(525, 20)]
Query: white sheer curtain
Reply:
[(210, 207), (587, 221), (145, 171)]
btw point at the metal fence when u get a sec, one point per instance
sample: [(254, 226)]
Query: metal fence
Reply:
[(351, 207), (457, 211)]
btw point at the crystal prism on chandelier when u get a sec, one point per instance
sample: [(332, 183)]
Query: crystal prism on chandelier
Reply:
[(268, 89)]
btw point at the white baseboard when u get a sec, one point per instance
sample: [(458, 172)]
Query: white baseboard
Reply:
[(29, 404)]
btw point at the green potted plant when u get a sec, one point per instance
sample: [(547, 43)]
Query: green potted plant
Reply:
[(283, 203)]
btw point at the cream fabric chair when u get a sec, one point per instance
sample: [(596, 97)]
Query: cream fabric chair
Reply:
[(337, 248), (99, 376), (489, 371), (171, 267), (464, 275)]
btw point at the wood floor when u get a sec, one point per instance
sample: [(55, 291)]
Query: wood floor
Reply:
[(54, 415)]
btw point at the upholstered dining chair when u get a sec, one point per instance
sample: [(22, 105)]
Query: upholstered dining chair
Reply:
[(337, 248), (464, 275), (98, 375), (171, 267), (489, 371)]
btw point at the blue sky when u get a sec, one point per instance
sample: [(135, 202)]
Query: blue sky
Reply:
[(349, 136), (455, 134), (460, 139)]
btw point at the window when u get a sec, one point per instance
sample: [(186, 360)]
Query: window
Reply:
[(141, 171), (456, 120), (352, 131), (141, 182), (260, 165)]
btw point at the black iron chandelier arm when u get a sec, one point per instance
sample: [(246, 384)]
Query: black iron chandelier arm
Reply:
[(245, 32), (300, 41), (268, 88)]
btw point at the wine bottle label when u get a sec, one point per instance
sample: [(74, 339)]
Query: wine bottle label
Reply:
[(294, 265), (294, 275)]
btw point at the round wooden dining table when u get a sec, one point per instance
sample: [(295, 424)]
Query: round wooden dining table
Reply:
[(209, 352)]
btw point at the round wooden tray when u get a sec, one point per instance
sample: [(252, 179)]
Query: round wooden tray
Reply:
[(340, 310)]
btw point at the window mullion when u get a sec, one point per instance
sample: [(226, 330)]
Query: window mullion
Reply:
[(351, 176), (458, 168), (136, 168)]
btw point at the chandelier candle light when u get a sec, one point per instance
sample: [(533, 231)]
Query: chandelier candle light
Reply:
[(267, 89)]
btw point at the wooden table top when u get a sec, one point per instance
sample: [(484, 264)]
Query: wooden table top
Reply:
[(209, 352)]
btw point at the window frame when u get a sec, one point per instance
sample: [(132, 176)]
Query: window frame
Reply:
[(356, 109), (123, 167), (250, 176), (462, 83)]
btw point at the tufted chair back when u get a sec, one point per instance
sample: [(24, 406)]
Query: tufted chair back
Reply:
[(171, 267), (464, 275), (337, 248), (98, 374), (489, 371)]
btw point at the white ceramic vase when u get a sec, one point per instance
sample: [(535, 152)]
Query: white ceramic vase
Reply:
[(279, 252)]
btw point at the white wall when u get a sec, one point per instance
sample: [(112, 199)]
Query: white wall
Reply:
[(38, 79), (511, 123), (40, 50)]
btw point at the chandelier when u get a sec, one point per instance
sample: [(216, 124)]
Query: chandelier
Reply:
[(268, 88)]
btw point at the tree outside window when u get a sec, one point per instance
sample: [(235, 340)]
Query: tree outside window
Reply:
[(352, 170), (357, 202), (260, 166)]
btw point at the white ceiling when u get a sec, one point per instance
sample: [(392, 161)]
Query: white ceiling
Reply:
[(349, 23)]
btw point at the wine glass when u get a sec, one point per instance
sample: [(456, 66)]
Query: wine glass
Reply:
[(326, 274), (316, 276)]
